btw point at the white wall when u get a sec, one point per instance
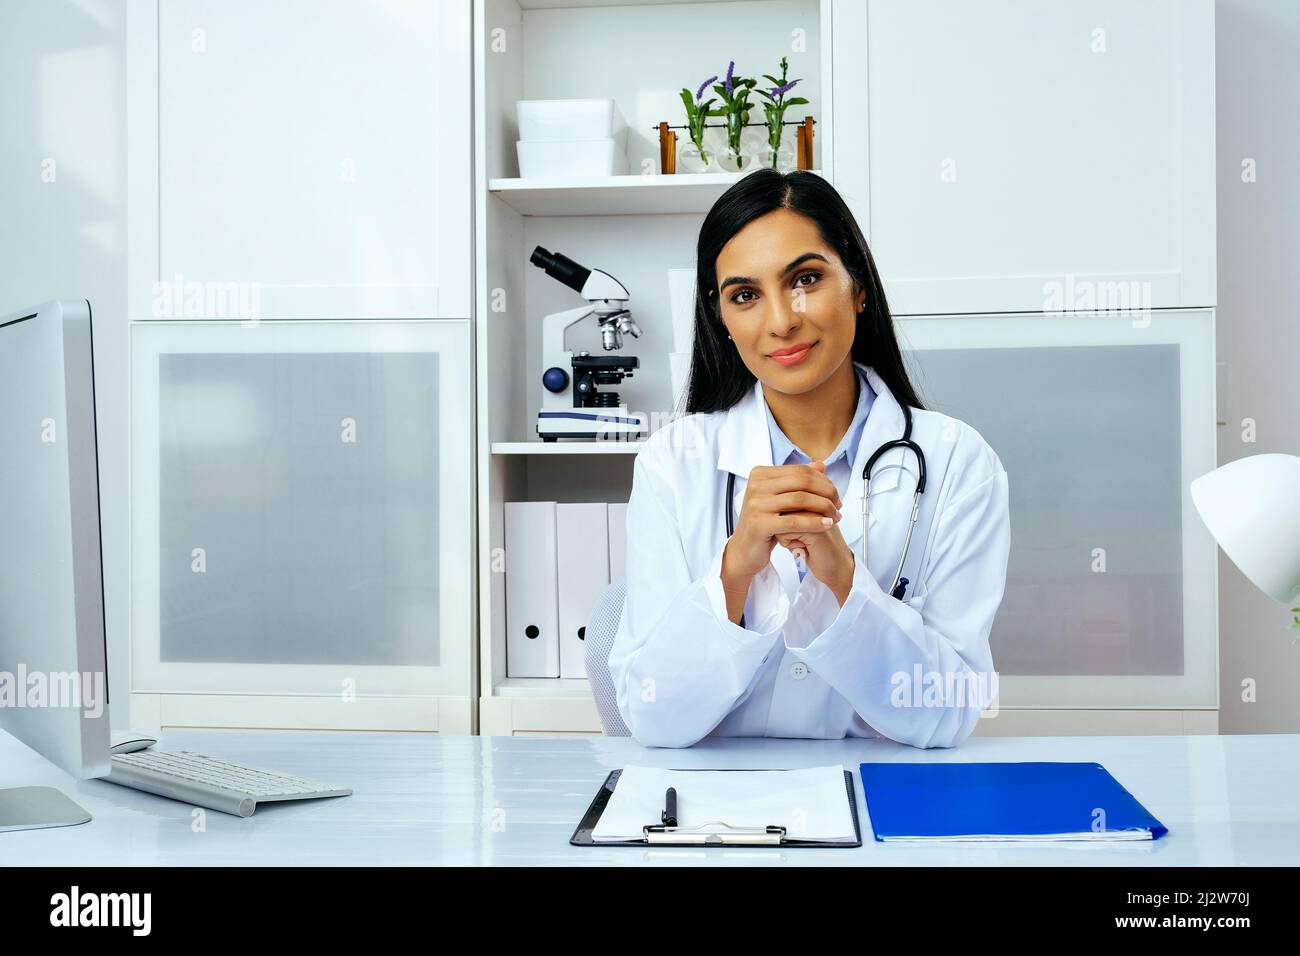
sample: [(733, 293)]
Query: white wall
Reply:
[(63, 117), (1258, 76)]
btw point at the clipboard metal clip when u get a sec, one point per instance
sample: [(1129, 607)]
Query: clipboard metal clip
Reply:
[(714, 832)]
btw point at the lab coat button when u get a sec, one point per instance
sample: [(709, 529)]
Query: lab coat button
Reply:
[(799, 670)]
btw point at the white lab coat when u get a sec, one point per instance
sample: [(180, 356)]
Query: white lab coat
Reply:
[(803, 666)]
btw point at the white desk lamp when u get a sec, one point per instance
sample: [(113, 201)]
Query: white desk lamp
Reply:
[(1252, 507)]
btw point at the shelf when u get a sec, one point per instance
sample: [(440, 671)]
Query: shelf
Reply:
[(544, 687), (566, 447), (614, 195), (552, 4)]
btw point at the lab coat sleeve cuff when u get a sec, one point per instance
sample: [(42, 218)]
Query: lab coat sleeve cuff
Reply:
[(817, 610), (830, 638), (767, 608)]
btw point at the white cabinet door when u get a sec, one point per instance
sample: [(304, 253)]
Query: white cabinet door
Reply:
[(301, 517), (301, 159), (1101, 424), (1003, 154)]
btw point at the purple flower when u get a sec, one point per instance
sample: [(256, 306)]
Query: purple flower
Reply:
[(783, 89), (730, 66), (700, 91)]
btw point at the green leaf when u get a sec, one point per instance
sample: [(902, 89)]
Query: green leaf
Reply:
[(796, 101), (688, 100), (775, 81)]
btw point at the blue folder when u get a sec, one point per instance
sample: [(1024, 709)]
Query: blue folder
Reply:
[(1002, 801)]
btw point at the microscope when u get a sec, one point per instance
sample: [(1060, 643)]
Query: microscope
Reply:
[(573, 406)]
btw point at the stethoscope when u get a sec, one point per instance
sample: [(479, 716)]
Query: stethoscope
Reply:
[(899, 587)]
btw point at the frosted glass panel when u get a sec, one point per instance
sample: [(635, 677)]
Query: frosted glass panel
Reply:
[(1089, 437), (298, 498), (1102, 421), (301, 513)]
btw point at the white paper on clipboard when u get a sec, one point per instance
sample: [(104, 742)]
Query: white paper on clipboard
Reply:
[(811, 803)]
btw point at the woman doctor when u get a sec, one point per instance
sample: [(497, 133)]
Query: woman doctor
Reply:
[(781, 628)]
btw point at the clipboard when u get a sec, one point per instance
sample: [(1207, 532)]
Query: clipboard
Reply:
[(718, 834)]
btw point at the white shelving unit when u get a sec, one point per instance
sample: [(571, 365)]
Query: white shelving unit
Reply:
[(566, 448), (635, 226), (633, 195), (991, 112)]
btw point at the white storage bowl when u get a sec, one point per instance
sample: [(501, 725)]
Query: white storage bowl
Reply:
[(558, 160), (542, 121)]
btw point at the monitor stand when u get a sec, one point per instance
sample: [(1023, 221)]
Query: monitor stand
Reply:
[(31, 808)]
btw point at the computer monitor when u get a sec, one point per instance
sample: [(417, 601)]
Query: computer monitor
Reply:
[(53, 667)]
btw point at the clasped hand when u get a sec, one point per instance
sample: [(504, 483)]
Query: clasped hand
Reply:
[(797, 507)]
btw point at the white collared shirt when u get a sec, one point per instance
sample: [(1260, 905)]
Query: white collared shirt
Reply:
[(839, 463)]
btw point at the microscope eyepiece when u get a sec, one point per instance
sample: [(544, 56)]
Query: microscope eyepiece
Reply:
[(559, 266)]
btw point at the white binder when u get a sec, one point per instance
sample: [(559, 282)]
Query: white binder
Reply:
[(532, 615), (617, 539), (582, 554)]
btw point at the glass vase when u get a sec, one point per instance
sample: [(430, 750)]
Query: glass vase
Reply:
[(694, 158), (782, 158), (735, 156)]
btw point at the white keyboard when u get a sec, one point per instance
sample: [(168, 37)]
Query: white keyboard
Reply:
[(212, 782)]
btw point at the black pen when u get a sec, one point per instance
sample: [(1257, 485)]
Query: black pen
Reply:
[(670, 808)]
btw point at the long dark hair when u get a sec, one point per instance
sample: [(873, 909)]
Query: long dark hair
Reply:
[(718, 378)]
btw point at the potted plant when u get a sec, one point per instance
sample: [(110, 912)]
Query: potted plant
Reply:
[(778, 153), (694, 156), (736, 106)]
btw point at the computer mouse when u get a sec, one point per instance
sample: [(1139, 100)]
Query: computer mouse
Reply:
[(126, 743)]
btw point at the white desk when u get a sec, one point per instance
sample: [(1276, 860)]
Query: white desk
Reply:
[(423, 799)]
